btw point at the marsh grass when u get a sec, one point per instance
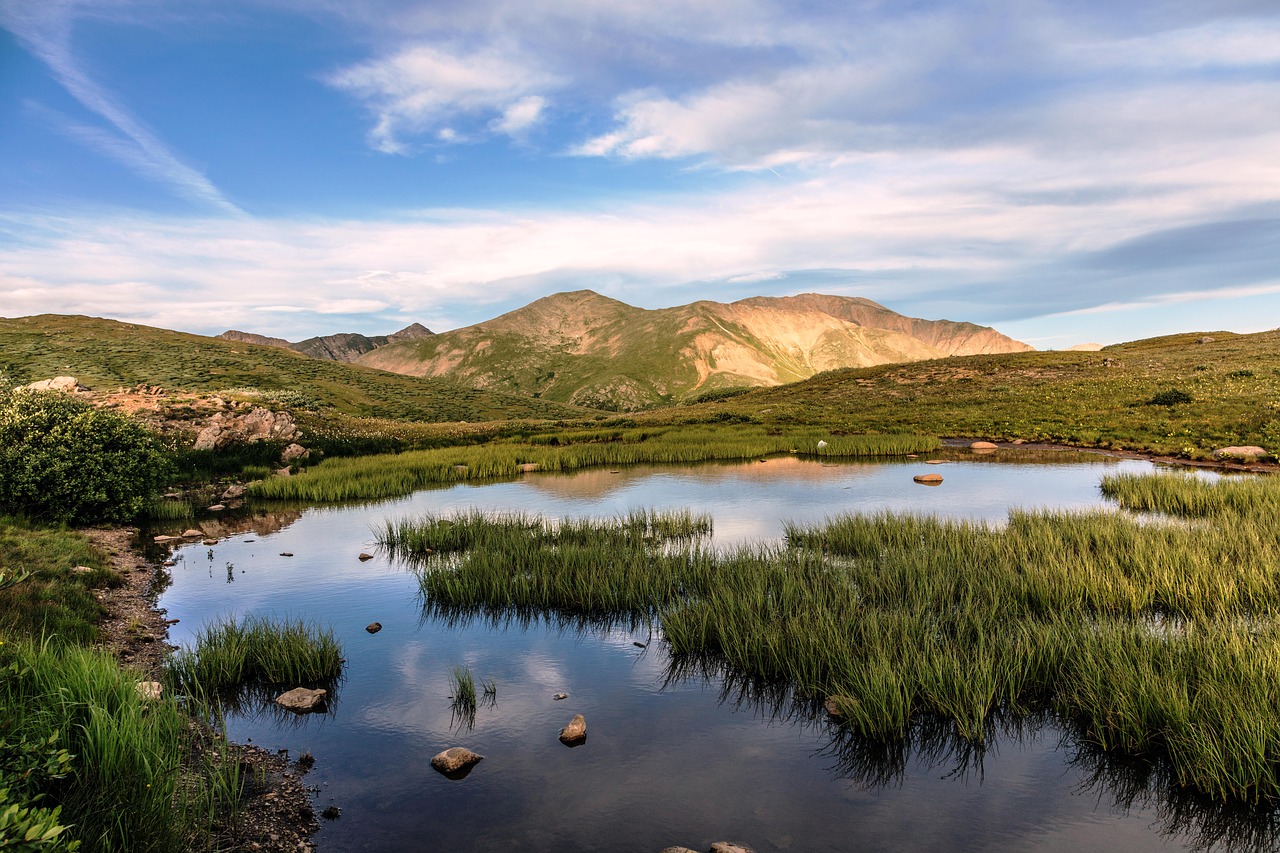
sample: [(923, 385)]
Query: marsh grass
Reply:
[(256, 652), (133, 783), (1151, 638), (399, 474), (51, 600), (464, 690)]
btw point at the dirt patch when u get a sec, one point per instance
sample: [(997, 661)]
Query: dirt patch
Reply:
[(275, 811)]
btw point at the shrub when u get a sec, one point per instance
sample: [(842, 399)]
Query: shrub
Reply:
[(1172, 397), (63, 460)]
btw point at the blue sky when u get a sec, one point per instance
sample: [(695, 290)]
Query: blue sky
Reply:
[(1065, 171)]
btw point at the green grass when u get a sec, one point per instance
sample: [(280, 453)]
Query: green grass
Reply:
[(256, 652), (399, 474), (52, 600), (130, 783), (464, 690), (1150, 637), (1104, 399)]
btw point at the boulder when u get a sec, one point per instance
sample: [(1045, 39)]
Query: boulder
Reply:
[(150, 689), (730, 847), (455, 759), (576, 730), (57, 383), (365, 557), (928, 479), (292, 453), (161, 540), (192, 533), (208, 541), (1248, 453), (233, 492), (373, 627), (984, 445), (258, 424), (1205, 340), (302, 700)]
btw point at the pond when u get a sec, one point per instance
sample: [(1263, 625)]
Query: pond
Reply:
[(670, 758)]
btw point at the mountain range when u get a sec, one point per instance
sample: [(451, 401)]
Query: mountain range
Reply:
[(589, 350), (345, 346)]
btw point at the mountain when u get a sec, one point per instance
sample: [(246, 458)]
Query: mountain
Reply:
[(345, 346), (590, 350)]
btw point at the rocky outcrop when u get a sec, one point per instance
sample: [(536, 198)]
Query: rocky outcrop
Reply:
[(57, 383), (730, 847), (258, 424), (1249, 453), (292, 453)]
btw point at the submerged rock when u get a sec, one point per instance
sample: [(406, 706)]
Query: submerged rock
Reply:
[(302, 700), (454, 760), (560, 696), (576, 731), (365, 557), (984, 445)]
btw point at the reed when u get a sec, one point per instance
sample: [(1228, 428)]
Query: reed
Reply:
[(132, 782), (255, 651), (464, 691), (1152, 636), (391, 475)]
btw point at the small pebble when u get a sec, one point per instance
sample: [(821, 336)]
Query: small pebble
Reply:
[(286, 553), (560, 696)]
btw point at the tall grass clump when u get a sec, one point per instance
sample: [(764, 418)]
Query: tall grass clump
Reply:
[(126, 778), (464, 690), (399, 474), (256, 652), (1155, 637)]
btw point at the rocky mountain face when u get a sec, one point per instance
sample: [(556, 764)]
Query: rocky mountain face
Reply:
[(345, 346), (587, 349)]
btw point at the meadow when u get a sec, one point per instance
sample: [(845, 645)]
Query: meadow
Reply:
[(1151, 635), (387, 475)]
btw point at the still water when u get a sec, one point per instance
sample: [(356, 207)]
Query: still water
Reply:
[(669, 759)]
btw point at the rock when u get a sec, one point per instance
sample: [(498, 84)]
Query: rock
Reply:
[(293, 452), (576, 730), (832, 706), (1249, 453), (57, 383), (208, 541), (302, 700), (639, 645), (373, 627), (678, 850), (163, 539), (193, 534), (172, 496), (81, 570), (258, 424), (935, 462), (984, 445), (365, 557), (217, 508), (928, 479), (730, 847), (529, 467), (560, 696), (1205, 340), (331, 813), (286, 553), (150, 689), (455, 759), (1019, 441), (233, 492), (283, 472)]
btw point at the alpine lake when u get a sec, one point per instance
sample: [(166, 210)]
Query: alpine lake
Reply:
[(674, 755)]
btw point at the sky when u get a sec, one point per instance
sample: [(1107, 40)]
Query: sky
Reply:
[(1068, 172)]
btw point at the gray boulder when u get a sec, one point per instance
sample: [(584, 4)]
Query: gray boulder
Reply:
[(302, 700), (455, 759), (1248, 453)]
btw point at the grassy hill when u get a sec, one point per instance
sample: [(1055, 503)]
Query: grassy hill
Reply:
[(587, 349), (105, 355), (1182, 395)]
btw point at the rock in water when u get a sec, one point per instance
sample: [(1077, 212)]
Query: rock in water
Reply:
[(984, 445), (729, 847), (373, 627), (576, 730), (365, 557), (455, 759), (928, 479), (301, 700)]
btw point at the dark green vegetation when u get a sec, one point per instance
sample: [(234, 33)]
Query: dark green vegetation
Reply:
[(1170, 395), (1147, 637), (587, 349), (119, 766), (256, 653), (390, 475), (63, 460), (105, 355)]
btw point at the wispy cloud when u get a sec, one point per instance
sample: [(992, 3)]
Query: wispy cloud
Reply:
[(44, 27)]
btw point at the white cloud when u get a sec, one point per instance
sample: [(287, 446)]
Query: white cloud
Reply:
[(424, 87)]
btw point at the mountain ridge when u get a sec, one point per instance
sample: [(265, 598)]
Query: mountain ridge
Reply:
[(343, 346)]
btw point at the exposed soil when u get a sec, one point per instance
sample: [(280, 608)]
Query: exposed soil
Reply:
[(275, 811)]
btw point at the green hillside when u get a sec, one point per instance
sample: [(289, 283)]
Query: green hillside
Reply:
[(1182, 395), (105, 355)]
